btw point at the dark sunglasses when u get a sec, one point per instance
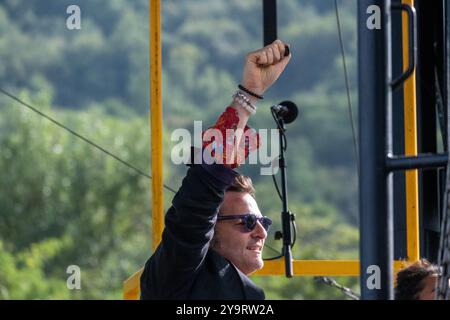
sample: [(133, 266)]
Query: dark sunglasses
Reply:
[(249, 220)]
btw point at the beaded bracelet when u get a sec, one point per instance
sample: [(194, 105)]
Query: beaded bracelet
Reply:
[(244, 102), (250, 92)]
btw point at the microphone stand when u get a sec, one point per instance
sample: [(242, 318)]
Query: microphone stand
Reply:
[(286, 215)]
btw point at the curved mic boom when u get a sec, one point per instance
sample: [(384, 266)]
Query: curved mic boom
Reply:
[(286, 110)]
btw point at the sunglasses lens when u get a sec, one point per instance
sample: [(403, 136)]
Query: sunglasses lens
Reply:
[(250, 222), (251, 219), (266, 222)]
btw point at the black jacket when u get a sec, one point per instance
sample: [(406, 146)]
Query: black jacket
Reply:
[(183, 266)]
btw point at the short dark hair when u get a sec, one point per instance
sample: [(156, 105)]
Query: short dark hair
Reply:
[(242, 184), (409, 279)]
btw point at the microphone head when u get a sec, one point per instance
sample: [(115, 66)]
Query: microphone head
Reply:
[(287, 51), (292, 112)]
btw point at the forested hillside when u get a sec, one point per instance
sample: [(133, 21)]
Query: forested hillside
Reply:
[(63, 202)]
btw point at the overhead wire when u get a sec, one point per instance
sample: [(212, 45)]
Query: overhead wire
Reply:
[(79, 136), (332, 283), (347, 86)]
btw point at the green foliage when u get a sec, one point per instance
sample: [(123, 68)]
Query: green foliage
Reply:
[(22, 273), (63, 202), (58, 187)]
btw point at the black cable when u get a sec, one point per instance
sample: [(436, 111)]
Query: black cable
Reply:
[(281, 130), (355, 146), (80, 137), (294, 228), (276, 185), (274, 250), (332, 283), (280, 255), (440, 108)]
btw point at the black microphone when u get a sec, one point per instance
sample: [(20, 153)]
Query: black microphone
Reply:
[(287, 51), (286, 110)]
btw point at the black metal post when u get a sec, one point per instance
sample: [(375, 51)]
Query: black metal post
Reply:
[(424, 161), (270, 21), (443, 291), (429, 106), (375, 142), (398, 127)]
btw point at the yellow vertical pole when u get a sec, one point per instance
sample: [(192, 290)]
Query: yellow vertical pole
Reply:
[(131, 287), (156, 120), (410, 122)]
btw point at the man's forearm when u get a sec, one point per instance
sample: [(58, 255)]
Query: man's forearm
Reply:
[(262, 68)]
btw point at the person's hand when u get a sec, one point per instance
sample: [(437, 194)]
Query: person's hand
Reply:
[(264, 66)]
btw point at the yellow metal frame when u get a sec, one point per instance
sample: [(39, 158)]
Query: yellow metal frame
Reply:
[(156, 120), (276, 267), (411, 176)]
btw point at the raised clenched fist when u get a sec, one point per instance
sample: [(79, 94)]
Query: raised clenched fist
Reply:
[(264, 66)]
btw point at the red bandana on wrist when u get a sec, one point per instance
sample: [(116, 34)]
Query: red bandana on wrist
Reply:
[(229, 120)]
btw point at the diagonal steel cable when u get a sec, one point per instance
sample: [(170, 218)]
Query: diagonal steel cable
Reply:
[(79, 136), (347, 86)]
